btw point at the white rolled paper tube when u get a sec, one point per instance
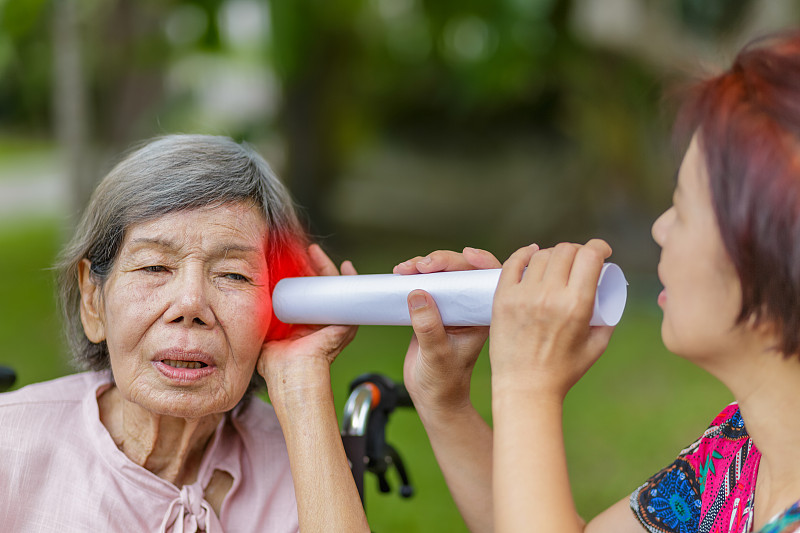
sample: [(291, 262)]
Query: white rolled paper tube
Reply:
[(464, 298)]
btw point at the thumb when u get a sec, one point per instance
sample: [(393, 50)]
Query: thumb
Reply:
[(427, 322)]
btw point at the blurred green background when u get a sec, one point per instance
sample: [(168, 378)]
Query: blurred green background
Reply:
[(401, 126)]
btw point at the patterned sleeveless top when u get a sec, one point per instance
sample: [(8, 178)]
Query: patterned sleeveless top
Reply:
[(710, 487)]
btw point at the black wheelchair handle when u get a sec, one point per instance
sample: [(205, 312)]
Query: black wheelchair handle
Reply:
[(403, 398), (7, 378)]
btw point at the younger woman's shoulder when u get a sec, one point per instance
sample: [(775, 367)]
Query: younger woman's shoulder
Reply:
[(695, 488), (729, 415), (726, 429)]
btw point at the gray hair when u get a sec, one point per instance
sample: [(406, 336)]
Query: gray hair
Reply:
[(166, 175)]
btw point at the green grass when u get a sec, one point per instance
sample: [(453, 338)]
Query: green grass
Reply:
[(631, 414), (30, 328)]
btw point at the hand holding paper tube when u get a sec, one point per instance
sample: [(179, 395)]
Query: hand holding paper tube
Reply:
[(464, 298)]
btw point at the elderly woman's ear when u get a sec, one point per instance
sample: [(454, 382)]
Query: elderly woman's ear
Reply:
[(90, 304)]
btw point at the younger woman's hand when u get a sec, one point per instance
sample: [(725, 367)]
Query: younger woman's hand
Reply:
[(303, 360), (439, 362), (447, 261), (541, 340)]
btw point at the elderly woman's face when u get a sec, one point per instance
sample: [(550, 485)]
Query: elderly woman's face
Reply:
[(186, 309)]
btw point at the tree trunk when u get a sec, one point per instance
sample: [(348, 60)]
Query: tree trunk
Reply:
[(70, 108)]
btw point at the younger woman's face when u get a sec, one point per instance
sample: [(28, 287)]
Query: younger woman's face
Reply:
[(702, 294)]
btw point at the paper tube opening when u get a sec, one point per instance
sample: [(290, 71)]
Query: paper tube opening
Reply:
[(612, 293)]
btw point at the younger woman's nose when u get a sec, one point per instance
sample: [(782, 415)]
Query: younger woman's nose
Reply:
[(659, 228)]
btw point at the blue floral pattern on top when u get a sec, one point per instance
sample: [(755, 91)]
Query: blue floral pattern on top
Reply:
[(673, 502)]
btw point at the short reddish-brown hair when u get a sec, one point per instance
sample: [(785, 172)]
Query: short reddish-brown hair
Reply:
[(748, 125)]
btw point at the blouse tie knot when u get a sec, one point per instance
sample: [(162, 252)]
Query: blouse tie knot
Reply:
[(188, 513)]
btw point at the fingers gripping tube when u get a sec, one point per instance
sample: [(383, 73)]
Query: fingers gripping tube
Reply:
[(372, 399)]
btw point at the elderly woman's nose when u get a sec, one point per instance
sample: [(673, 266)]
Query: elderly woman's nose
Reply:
[(190, 300)]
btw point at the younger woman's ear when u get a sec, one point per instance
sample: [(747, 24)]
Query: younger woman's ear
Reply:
[(91, 317), (767, 329)]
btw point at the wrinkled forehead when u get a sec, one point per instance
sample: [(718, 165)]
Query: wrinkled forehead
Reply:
[(220, 230)]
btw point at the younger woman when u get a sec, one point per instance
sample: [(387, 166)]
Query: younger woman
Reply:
[(730, 266)]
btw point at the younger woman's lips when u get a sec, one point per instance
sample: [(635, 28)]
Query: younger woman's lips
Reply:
[(662, 298)]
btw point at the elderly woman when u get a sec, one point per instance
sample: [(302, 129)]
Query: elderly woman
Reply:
[(166, 294)]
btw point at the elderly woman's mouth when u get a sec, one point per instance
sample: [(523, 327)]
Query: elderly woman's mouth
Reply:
[(183, 364), (185, 369)]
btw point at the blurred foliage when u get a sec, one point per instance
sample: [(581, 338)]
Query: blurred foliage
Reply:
[(712, 17), (25, 59), (438, 76)]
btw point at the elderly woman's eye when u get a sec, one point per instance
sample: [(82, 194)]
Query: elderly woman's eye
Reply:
[(155, 268), (236, 277)]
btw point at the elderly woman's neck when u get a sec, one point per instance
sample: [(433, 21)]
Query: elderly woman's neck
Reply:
[(170, 447)]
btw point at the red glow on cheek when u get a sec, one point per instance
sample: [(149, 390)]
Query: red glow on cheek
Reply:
[(265, 317), (289, 260)]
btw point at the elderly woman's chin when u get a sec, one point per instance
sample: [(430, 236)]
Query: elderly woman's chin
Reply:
[(170, 384), (154, 395)]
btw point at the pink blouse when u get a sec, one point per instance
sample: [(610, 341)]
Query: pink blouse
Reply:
[(61, 471)]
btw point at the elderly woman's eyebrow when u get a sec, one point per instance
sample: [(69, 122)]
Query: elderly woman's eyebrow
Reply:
[(237, 250), (154, 241)]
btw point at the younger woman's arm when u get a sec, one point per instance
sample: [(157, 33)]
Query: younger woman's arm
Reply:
[(541, 344)]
